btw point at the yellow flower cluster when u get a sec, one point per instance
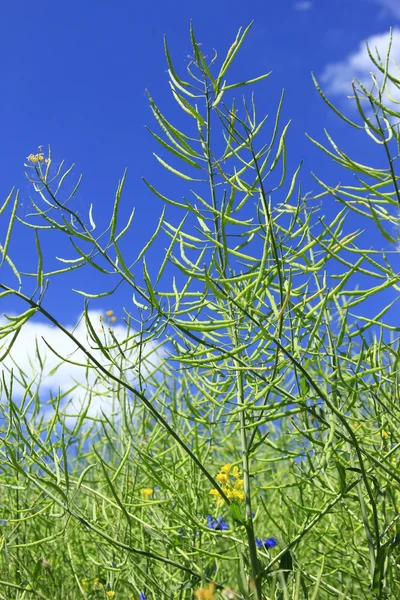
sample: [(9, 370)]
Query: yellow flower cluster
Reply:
[(146, 492), (35, 158), (110, 314), (205, 593), (231, 482), (85, 584), (95, 584)]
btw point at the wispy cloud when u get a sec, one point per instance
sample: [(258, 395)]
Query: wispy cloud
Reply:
[(302, 5), (31, 356), (337, 76), (390, 7)]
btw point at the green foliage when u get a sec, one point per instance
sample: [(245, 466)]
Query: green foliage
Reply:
[(253, 363)]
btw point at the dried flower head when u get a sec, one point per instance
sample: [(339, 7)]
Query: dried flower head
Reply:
[(46, 564), (229, 593)]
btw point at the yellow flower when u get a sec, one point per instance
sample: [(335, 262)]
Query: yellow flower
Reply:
[(85, 584), (113, 319), (222, 478), (97, 585), (229, 477), (226, 469), (206, 593), (109, 313), (111, 594), (239, 483), (236, 495), (235, 472), (34, 158), (146, 492), (385, 434), (215, 492)]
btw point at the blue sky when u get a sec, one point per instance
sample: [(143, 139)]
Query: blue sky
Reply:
[(74, 76)]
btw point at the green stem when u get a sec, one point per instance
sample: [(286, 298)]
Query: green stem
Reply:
[(255, 570)]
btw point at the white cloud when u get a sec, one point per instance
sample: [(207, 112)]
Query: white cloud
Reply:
[(58, 375), (337, 77), (302, 5)]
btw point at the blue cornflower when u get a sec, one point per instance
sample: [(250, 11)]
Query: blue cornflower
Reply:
[(142, 596), (218, 524), (267, 543)]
